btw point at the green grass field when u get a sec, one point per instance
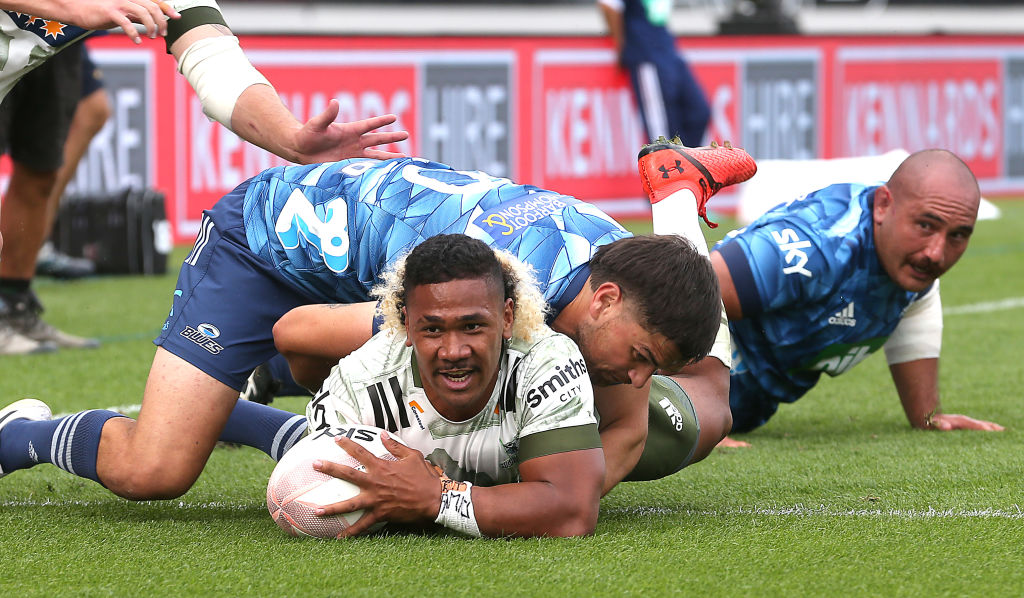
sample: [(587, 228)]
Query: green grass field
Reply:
[(838, 495)]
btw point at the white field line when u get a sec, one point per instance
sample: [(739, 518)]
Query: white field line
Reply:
[(1013, 512), (984, 307), (958, 310)]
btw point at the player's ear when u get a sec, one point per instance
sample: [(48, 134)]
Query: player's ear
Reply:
[(606, 295), (405, 322), (883, 203), (508, 318)]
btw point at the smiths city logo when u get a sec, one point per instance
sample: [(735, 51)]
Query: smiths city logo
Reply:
[(561, 385), (203, 336), (843, 317), (53, 33), (508, 220)]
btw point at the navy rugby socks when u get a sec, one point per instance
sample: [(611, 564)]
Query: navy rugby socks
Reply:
[(266, 428), (70, 443)]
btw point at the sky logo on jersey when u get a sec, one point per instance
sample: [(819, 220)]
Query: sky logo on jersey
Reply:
[(508, 220), (790, 243), (203, 339), (843, 317), (557, 384)]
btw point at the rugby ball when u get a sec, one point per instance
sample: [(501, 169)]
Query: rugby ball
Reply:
[(296, 489)]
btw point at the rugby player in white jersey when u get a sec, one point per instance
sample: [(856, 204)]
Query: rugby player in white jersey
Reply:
[(466, 374)]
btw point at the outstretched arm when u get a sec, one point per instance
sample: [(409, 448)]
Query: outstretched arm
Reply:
[(101, 14), (558, 494), (917, 383), (623, 429), (235, 94)]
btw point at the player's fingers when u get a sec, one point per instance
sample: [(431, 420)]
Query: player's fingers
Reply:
[(397, 448), (374, 122), (340, 471), (321, 121), (364, 523), (356, 451), (168, 10), (382, 155), (126, 25), (154, 13), (346, 506), (382, 138)]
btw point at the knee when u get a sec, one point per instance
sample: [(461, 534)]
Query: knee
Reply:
[(156, 481)]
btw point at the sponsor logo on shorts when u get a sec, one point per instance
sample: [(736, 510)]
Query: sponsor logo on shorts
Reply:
[(209, 330), (673, 414), (203, 339), (562, 385)]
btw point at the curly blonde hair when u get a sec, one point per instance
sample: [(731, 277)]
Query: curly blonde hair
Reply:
[(517, 278)]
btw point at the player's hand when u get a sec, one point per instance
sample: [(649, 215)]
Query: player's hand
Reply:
[(945, 422), (106, 14), (323, 140), (406, 490), (732, 443)]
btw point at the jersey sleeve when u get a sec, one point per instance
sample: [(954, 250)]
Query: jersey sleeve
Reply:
[(775, 265), (555, 401), (343, 398)]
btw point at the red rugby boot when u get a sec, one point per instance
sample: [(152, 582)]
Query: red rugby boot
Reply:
[(666, 166)]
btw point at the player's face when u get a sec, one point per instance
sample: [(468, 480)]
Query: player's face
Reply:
[(456, 330), (619, 350), (919, 238)]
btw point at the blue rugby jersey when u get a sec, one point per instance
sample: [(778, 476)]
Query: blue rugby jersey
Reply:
[(333, 228), (814, 297)]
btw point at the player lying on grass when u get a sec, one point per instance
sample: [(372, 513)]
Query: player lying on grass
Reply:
[(465, 372), (819, 283), (301, 235)]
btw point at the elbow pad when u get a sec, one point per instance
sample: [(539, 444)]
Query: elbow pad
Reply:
[(219, 72)]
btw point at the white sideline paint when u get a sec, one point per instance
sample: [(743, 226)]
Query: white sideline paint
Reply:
[(958, 310), (799, 510), (1013, 512)]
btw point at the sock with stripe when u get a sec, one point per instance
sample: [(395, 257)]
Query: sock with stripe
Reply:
[(71, 443), (266, 428)]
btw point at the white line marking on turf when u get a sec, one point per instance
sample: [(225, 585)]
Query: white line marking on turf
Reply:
[(984, 307), (1014, 512)]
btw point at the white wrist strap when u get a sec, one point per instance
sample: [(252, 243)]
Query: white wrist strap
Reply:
[(456, 511)]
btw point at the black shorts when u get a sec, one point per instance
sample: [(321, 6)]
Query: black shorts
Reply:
[(36, 115)]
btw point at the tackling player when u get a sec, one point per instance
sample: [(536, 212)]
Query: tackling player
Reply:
[(466, 373), (816, 285), (323, 233)]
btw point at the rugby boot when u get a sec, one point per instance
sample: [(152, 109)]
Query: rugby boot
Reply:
[(260, 387), (24, 409), (666, 166), (24, 317)]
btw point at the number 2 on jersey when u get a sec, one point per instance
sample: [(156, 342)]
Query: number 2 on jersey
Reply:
[(329, 234)]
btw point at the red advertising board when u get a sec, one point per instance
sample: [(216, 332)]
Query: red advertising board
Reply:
[(558, 112)]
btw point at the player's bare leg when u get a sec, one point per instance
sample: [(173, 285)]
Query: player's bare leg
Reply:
[(162, 454), (679, 181)]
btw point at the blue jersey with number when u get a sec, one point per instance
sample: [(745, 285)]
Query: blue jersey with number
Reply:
[(814, 297), (333, 228)]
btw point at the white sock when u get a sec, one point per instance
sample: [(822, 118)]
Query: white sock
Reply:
[(677, 215)]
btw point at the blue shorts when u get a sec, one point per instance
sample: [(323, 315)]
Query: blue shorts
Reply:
[(227, 299)]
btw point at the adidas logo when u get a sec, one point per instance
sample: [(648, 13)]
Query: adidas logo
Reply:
[(32, 453), (843, 317)]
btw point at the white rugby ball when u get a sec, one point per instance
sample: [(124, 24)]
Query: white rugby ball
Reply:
[(296, 489)]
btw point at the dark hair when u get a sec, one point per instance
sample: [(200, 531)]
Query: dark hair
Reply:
[(672, 286), (443, 258)]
